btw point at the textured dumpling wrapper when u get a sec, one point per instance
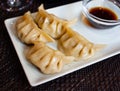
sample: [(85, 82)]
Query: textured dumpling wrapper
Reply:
[(28, 31), (50, 23), (73, 44), (48, 60)]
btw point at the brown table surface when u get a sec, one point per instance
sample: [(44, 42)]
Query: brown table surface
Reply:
[(102, 76)]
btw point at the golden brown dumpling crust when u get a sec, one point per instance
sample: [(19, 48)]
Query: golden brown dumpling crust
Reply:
[(50, 23), (28, 31), (73, 44), (49, 61)]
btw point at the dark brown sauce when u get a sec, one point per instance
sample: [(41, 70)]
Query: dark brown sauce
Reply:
[(103, 13)]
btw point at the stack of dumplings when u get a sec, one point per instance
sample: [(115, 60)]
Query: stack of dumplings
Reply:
[(46, 27), (48, 60)]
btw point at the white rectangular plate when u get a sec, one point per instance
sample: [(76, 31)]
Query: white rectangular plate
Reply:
[(110, 37)]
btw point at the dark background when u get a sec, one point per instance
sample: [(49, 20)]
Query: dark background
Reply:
[(102, 76)]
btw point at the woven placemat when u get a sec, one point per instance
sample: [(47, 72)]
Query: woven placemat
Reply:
[(102, 76)]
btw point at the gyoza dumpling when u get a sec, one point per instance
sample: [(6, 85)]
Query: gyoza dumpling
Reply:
[(73, 44), (50, 23), (49, 61), (29, 32)]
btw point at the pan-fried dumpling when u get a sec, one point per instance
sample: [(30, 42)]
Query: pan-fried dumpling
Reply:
[(49, 61), (50, 23), (29, 32), (73, 44)]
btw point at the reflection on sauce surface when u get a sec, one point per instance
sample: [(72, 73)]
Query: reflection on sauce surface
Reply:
[(103, 13)]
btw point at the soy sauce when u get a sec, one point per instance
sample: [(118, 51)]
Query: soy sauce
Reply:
[(103, 13)]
